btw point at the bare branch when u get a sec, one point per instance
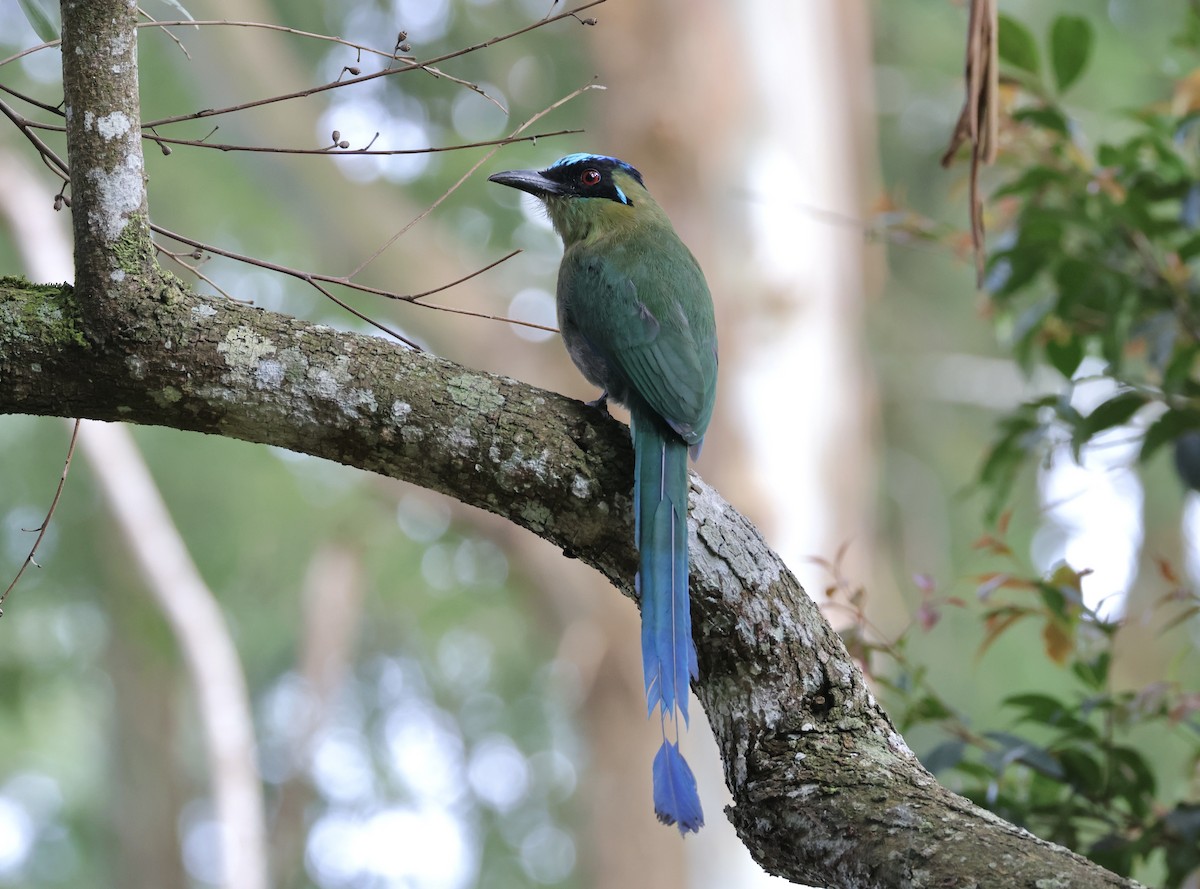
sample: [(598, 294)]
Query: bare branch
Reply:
[(386, 72), (42, 528), (51, 159), (345, 152), (467, 175)]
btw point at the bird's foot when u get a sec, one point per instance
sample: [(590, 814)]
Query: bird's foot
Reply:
[(601, 403)]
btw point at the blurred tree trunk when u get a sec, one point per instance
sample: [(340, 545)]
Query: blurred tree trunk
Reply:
[(786, 315), (147, 796), (808, 402)]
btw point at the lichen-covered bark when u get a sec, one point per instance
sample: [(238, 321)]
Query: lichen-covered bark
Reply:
[(825, 790), (104, 139)]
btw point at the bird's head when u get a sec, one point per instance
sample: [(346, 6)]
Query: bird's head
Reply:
[(586, 194)]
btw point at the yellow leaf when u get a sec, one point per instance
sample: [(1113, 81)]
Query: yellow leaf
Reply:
[(1059, 642)]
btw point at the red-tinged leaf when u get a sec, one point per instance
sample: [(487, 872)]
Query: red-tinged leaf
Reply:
[(995, 580), (1186, 707), (998, 622), (992, 544), (1166, 570), (925, 583), (1175, 594), (1181, 618), (841, 553), (989, 583), (928, 616), (956, 601), (1002, 522), (1066, 576), (1059, 641), (1150, 700)]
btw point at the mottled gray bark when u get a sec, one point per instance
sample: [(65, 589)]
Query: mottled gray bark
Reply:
[(825, 790)]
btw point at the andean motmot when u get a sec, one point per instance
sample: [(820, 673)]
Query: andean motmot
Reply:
[(637, 319)]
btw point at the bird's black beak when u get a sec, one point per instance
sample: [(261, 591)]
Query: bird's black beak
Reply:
[(530, 181)]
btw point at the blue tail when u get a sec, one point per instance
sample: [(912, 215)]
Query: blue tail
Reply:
[(660, 493)]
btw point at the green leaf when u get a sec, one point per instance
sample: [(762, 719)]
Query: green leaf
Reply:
[(1038, 707), (1071, 40), (1179, 368), (1081, 770), (1113, 412), (1030, 181), (946, 755), (1093, 673), (1131, 779), (1047, 117), (1065, 356), (1017, 749), (1017, 46), (1050, 711), (1108, 155), (1167, 428), (42, 16)]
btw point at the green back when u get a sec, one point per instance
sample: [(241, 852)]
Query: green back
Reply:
[(639, 296)]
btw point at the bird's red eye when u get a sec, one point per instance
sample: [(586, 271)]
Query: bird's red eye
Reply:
[(590, 177)]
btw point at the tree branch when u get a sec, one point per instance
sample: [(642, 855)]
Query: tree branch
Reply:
[(825, 789)]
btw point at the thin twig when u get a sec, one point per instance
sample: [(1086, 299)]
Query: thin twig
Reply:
[(438, 73), (52, 109), (364, 317), (266, 26), (195, 270), (337, 84), (479, 163), (151, 20), (326, 152), (29, 52), (284, 29), (491, 265), (52, 160), (488, 317), (55, 163), (41, 529)]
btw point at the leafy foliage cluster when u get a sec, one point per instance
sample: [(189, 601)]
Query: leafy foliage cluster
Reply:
[(1095, 256), (1092, 271), (1068, 764)]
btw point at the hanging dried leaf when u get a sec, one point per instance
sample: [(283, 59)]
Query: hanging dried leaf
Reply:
[(979, 120)]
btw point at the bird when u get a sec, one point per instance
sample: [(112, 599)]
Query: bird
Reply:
[(636, 317)]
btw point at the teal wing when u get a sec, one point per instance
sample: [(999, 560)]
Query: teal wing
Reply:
[(649, 314)]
